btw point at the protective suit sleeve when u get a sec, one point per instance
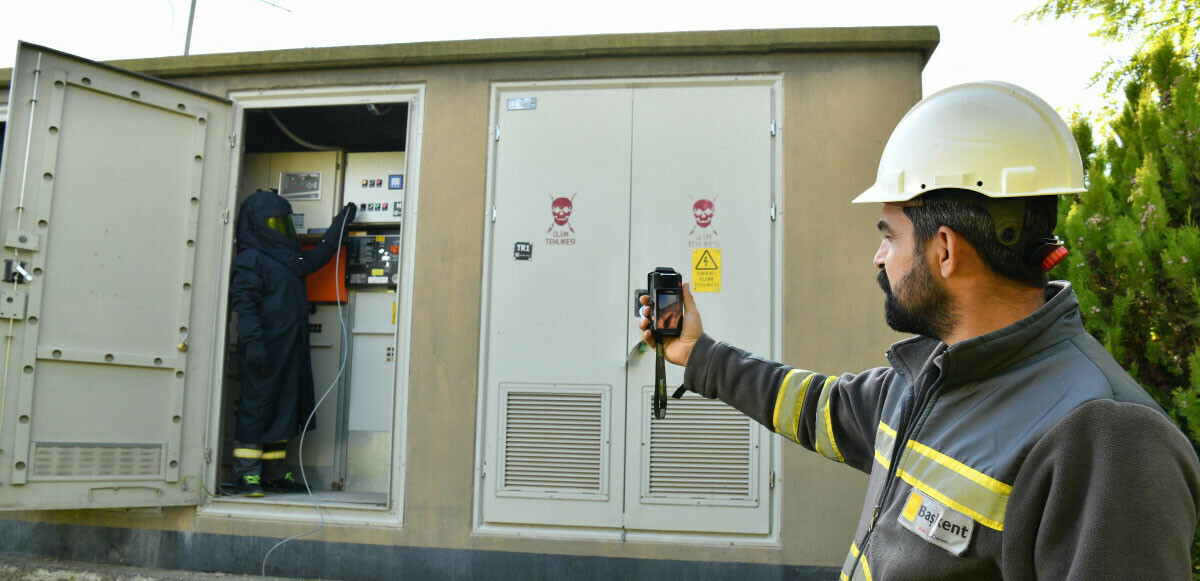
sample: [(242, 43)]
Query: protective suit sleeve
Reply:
[(313, 260), (246, 294), (1111, 492), (835, 416)]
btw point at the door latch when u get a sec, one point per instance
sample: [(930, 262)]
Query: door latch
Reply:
[(14, 271)]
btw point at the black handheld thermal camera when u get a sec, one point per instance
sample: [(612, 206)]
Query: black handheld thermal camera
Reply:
[(665, 288)]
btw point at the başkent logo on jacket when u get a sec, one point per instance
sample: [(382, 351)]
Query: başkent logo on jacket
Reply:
[(560, 232), (936, 523)]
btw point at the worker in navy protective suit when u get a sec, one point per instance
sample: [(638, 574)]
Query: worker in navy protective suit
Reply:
[(268, 294)]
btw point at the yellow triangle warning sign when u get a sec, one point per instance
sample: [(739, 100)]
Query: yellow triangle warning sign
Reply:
[(706, 270), (706, 262)]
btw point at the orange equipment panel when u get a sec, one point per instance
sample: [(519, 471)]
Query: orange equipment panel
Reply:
[(325, 285)]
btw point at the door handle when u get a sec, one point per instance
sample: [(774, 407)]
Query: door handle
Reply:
[(640, 347)]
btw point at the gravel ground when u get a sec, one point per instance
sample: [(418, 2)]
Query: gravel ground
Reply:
[(19, 568)]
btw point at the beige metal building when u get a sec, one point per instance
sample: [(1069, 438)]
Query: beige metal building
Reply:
[(488, 412)]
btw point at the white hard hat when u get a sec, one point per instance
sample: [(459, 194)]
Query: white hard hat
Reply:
[(989, 137)]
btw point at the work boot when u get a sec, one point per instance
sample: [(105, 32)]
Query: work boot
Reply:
[(286, 484), (249, 485)]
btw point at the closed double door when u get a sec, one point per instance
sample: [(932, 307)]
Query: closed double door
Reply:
[(593, 186)]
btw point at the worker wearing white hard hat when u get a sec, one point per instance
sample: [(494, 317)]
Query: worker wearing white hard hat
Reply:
[(1002, 441)]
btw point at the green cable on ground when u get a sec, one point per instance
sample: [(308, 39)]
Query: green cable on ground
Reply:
[(198, 481)]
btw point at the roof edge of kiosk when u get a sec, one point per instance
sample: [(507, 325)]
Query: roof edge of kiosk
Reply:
[(886, 38)]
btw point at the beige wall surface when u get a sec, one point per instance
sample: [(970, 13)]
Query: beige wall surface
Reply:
[(839, 109)]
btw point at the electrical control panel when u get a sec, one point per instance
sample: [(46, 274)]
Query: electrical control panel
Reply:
[(372, 261), (376, 181), (309, 180)]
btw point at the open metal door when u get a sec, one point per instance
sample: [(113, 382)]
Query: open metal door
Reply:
[(111, 201)]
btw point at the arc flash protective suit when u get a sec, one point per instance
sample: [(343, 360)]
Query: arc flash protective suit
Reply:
[(268, 293), (1025, 453)]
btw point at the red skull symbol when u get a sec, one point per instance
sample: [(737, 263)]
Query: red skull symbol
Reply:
[(561, 209), (704, 210)]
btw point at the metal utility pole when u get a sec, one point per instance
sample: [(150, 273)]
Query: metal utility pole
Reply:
[(187, 44)]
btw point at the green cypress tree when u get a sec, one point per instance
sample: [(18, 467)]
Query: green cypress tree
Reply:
[(1137, 248), (1135, 261)]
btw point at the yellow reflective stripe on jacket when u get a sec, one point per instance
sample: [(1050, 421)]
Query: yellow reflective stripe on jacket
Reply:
[(885, 440), (946, 480), (824, 441), (247, 453), (274, 455), (788, 402), (955, 489), (862, 572)]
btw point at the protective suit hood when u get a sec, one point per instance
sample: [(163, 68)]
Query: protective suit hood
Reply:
[(253, 231)]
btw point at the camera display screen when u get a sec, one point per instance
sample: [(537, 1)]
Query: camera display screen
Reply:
[(668, 311)]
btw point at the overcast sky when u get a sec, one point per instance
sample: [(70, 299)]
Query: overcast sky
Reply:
[(980, 40)]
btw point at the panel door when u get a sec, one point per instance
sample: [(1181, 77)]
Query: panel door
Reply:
[(702, 166), (112, 187), (556, 321)]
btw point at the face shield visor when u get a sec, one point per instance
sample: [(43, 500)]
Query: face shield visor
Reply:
[(283, 225)]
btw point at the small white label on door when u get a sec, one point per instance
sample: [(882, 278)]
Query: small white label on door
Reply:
[(522, 104)]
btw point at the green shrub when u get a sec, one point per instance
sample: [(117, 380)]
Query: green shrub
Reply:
[(1135, 246)]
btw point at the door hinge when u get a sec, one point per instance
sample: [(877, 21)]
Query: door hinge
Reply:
[(493, 213), (232, 140), (772, 211), (774, 128), (225, 215), (208, 457), (497, 133), (772, 480)]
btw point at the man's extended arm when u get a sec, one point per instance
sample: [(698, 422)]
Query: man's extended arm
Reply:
[(836, 416)]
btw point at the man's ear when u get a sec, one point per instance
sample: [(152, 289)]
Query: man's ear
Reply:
[(948, 250)]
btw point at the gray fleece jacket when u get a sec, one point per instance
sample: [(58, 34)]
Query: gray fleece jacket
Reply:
[(1026, 453)]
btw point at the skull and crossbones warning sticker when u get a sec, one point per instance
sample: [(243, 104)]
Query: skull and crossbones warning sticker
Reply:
[(561, 232)]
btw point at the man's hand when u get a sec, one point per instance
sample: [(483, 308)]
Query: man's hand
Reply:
[(256, 355), (676, 349)]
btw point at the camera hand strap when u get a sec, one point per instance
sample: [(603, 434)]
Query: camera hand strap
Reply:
[(660, 382)]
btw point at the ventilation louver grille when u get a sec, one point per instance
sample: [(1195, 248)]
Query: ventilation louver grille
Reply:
[(554, 442), (80, 461), (701, 449)]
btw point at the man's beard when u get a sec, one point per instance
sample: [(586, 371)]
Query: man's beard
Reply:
[(921, 307)]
